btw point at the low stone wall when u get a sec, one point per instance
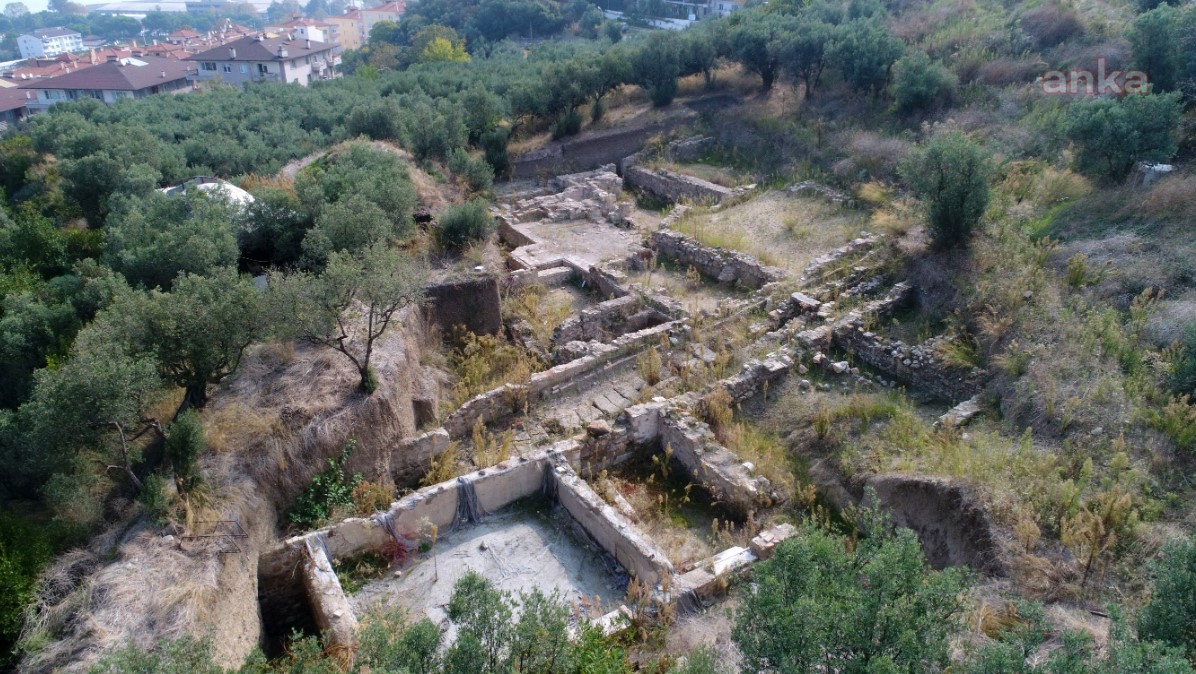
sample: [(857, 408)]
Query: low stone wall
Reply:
[(825, 265), (606, 319), (674, 187), (592, 150), (917, 366), (731, 482), (612, 531), (412, 458), (472, 302), (726, 266), (501, 402)]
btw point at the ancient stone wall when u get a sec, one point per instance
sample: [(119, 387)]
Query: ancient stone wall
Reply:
[(918, 366), (674, 187), (726, 266), (472, 302), (606, 319)]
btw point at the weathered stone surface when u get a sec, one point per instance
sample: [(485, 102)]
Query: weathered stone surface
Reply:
[(674, 186), (725, 265), (961, 414), (472, 302), (764, 544)]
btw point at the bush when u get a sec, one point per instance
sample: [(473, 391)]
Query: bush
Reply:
[(820, 605), (183, 447), (1050, 23), (328, 491), (461, 224), (1182, 379), (568, 124), (1170, 616), (951, 175), (1112, 135), (919, 83)]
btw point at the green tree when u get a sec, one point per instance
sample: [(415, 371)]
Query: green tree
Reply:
[(819, 607), (1112, 135), (151, 240), (919, 83), (655, 67), (352, 224), (196, 333), (1152, 38), (864, 51), (1170, 616), (950, 174), (350, 305), (275, 225), (802, 51), (755, 42)]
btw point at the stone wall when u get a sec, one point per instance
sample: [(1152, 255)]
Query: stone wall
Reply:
[(612, 531), (472, 302), (606, 319), (674, 187), (592, 150), (730, 482), (918, 366), (726, 266), (502, 401)]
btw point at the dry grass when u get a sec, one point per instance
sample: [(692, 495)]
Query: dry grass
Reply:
[(1173, 198), (776, 228), (237, 426), (543, 309)]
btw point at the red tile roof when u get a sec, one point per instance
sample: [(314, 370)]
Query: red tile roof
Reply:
[(126, 75)]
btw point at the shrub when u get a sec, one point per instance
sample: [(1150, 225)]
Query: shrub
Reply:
[(919, 83), (568, 124), (951, 175), (1171, 614), (820, 605), (154, 500), (1182, 379), (183, 447), (1112, 135), (1051, 23), (328, 491), (462, 224), (715, 409)]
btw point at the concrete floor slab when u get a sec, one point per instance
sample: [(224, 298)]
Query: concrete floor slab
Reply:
[(518, 549), (584, 244)]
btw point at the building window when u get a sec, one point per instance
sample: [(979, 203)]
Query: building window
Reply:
[(244, 69), (263, 69), (209, 66), (228, 67)]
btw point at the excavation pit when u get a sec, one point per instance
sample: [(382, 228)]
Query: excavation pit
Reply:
[(696, 293), (533, 544)]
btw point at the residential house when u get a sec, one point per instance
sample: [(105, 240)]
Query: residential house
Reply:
[(316, 30), (354, 26), (49, 42), (13, 106), (112, 81), (391, 11), (348, 29), (267, 59)]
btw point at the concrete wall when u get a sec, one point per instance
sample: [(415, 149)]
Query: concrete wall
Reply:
[(726, 266), (610, 529), (472, 302)]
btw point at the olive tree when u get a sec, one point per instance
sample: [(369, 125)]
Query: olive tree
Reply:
[(818, 606), (350, 305), (950, 174)]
